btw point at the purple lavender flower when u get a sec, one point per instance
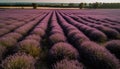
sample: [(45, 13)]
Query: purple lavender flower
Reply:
[(39, 31), (54, 38), (111, 33), (114, 47), (13, 35), (68, 64), (8, 42), (31, 47), (97, 57), (63, 50), (97, 36), (19, 61), (3, 31), (34, 37)]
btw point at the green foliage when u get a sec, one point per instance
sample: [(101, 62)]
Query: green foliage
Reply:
[(34, 5), (81, 5)]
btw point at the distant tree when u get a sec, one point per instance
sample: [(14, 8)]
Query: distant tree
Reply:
[(95, 5), (61, 4), (81, 5), (34, 5)]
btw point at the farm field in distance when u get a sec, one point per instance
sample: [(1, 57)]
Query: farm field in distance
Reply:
[(59, 39)]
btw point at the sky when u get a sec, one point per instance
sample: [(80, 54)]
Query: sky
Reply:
[(62, 1)]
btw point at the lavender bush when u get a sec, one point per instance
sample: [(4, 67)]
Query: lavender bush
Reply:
[(3, 31), (34, 37), (19, 61), (8, 42), (14, 35), (31, 47), (97, 57), (68, 64), (98, 36), (62, 50), (114, 47), (111, 33), (54, 38), (39, 31)]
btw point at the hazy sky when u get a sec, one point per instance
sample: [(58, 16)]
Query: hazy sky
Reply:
[(61, 1)]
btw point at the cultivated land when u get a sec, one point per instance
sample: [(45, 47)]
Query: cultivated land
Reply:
[(60, 38)]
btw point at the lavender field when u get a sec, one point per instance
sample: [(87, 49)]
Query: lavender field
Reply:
[(59, 39)]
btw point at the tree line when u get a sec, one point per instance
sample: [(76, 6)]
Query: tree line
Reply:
[(96, 5)]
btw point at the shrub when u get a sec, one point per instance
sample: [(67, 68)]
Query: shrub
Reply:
[(62, 50), (42, 25), (68, 64), (31, 47), (78, 39), (34, 5), (8, 42), (53, 31), (34, 37), (2, 51), (3, 31), (19, 61), (14, 35), (98, 36), (39, 31), (10, 27), (111, 33), (81, 5), (72, 32), (57, 38), (97, 57), (114, 47), (22, 30)]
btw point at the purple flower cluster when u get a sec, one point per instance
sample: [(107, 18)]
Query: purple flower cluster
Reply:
[(6, 28), (56, 32), (98, 56), (92, 33), (19, 61), (55, 38), (100, 26), (13, 35), (62, 50), (34, 37), (114, 47), (7, 42), (44, 23), (68, 64), (38, 31), (3, 31), (58, 39), (111, 33), (31, 47)]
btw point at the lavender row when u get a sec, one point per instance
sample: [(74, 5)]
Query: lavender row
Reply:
[(56, 33), (12, 25), (104, 23), (98, 56), (110, 33), (92, 33), (30, 46), (10, 40), (73, 34)]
